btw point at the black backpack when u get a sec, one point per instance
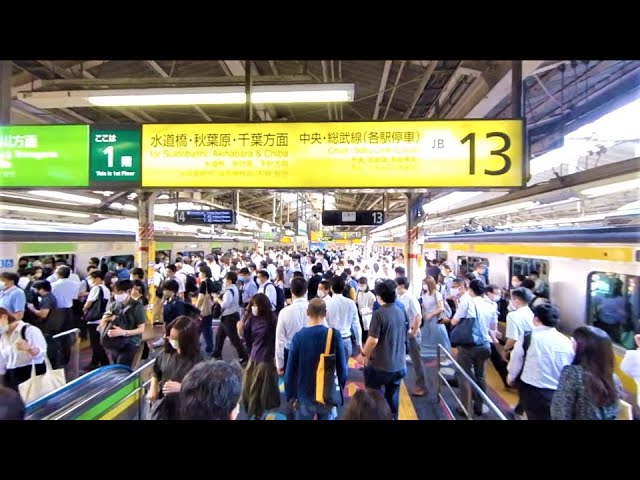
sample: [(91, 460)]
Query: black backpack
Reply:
[(191, 311), (280, 300), (190, 285)]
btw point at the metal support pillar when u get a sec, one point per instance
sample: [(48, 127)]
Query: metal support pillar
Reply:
[(248, 108), (413, 251), (518, 109), (5, 92), (274, 208), (146, 253)]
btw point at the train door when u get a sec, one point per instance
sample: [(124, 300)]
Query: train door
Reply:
[(468, 265), (528, 266), (110, 263)]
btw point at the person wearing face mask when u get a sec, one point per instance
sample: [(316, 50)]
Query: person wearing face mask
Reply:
[(205, 304), (12, 298), (448, 278), (180, 354), (433, 330), (260, 391), (93, 310), (324, 290), (493, 295), (21, 345), (229, 319), (128, 320), (365, 300)]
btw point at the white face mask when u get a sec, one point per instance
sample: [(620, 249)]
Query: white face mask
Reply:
[(322, 294), (254, 311), (2, 285), (3, 329), (173, 343), (120, 297), (497, 298)]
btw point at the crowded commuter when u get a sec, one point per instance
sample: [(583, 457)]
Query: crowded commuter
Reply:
[(368, 404)]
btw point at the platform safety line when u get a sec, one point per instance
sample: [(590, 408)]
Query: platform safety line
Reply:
[(406, 410), (110, 415)]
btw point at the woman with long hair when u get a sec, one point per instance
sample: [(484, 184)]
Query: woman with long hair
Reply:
[(588, 389), (181, 352), (260, 391), (433, 331)]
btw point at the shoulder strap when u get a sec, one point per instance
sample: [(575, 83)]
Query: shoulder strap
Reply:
[(22, 332), (526, 341), (327, 347)]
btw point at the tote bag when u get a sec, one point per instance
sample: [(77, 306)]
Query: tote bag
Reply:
[(40, 385), (328, 391)]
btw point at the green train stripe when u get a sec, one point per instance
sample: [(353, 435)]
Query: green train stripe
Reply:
[(35, 247), (105, 405), (164, 246)]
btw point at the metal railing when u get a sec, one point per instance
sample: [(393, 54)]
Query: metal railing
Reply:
[(466, 404), (72, 368), (143, 373)]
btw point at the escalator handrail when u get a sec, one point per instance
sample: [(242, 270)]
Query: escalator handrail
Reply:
[(74, 383), (113, 387)]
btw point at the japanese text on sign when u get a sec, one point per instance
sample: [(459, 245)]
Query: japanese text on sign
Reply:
[(465, 153)]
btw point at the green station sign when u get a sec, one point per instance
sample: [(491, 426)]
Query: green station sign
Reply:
[(44, 156), (114, 156)]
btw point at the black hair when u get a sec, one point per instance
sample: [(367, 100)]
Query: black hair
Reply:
[(522, 294), (400, 271), (298, 274), (64, 271), (243, 271), (42, 285), (491, 288), (171, 285), (123, 285), (11, 276), (547, 314), (206, 270), (11, 405), (386, 290), (402, 282), (210, 391), (232, 277), (337, 284), (298, 286), (138, 272), (172, 267), (264, 274), (477, 287), (97, 274)]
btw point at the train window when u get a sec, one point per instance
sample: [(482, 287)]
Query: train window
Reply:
[(441, 255), (468, 264), (190, 253), (110, 264), (532, 266), (27, 261), (613, 304)]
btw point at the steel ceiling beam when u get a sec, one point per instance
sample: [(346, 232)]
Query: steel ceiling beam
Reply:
[(38, 83), (395, 87), (383, 85), (420, 88)]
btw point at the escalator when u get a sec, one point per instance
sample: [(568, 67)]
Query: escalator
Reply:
[(114, 392)]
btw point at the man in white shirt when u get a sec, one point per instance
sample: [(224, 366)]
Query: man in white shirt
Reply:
[(65, 291), (342, 314), (172, 274), (472, 358), (270, 291), (182, 264), (414, 313), (291, 320), (539, 368), (519, 321)]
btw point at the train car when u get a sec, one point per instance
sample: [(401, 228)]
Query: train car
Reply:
[(583, 270), (77, 244)]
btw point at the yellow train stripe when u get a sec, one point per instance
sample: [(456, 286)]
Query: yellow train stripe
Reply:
[(603, 252), (111, 414), (406, 410), (627, 382)]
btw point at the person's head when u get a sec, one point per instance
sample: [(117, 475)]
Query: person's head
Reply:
[(211, 391), (400, 272), (520, 297), (429, 285), (6, 320), (37, 273), (96, 277), (347, 273), (363, 284), (445, 269), (494, 292), (316, 269), (280, 274), (479, 267), (594, 353), (138, 289), (11, 405), (367, 404), (171, 270), (298, 274), (170, 288), (386, 291), (402, 285), (534, 275), (136, 274), (204, 272), (183, 337), (264, 264), (516, 280), (298, 287), (244, 275), (42, 287), (459, 286), (122, 291), (262, 277), (528, 284), (8, 280), (316, 311), (324, 287), (546, 315), (261, 306), (91, 268), (477, 288), (337, 285)]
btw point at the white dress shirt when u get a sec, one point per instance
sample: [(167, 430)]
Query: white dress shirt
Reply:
[(65, 290), (230, 300), (631, 366), (11, 357), (548, 353), (412, 308), (342, 314), (519, 322), (365, 301), (270, 292), (291, 320)]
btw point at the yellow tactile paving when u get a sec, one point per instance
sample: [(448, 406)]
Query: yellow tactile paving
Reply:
[(406, 411), (494, 381)]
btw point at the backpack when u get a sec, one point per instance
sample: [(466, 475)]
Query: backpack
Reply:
[(216, 309), (190, 284), (280, 300)]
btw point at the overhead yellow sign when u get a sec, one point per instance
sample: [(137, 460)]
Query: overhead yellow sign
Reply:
[(410, 154)]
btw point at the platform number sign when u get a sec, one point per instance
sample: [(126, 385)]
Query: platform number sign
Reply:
[(6, 263), (114, 156), (355, 218)]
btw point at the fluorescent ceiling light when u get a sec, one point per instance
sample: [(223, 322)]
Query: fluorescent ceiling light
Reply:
[(612, 188), (390, 224), (44, 211), (497, 211), (65, 196), (226, 95), (629, 206), (123, 206), (445, 202)]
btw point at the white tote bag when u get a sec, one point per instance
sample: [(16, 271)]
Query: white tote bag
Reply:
[(40, 385)]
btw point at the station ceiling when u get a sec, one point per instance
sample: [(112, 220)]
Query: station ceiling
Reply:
[(558, 95)]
